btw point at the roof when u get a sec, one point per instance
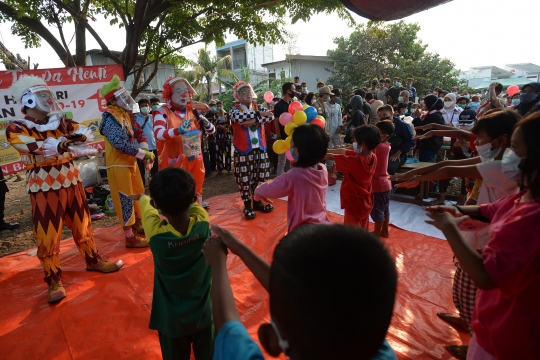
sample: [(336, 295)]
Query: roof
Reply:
[(527, 67), (231, 44), (505, 83), (300, 57)]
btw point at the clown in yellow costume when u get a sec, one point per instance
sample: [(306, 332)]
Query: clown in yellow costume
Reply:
[(177, 126), (121, 154), (45, 139)]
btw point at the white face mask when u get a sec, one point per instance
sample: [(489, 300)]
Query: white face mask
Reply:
[(400, 99), (486, 153), (510, 165), (448, 104)]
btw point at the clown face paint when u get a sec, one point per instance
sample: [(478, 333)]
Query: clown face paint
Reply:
[(245, 95), (180, 95), (41, 98)]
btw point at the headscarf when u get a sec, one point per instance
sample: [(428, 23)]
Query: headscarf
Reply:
[(524, 108), (357, 114), (434, 103), (453, 97), (356, 103)]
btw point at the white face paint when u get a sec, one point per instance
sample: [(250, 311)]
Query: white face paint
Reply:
[(245, 95), (180, 95)]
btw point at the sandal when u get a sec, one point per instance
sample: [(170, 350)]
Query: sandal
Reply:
[(249, 213), (265, 208), (458, 351)]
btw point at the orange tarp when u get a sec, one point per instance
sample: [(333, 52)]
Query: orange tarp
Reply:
[(107, 315)]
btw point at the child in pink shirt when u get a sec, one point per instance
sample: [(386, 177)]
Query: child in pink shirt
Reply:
[(307, 181), (380, 183), (506, 317)]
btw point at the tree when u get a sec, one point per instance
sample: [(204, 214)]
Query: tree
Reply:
[(157, 29), (380, 50), (206, 69)]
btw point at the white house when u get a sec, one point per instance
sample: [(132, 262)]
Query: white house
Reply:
[(310, 69), (244, 54), (514, 74)]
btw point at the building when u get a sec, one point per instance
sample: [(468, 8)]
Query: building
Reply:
[(480, 77), (308, 68), (244, 54), (96, 57)]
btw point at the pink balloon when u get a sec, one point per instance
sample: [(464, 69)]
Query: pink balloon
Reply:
[(285, 118), (268, 96), (288, 155)]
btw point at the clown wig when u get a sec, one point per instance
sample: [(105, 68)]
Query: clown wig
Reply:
[(24, 83), (242, 84), (168, 87)]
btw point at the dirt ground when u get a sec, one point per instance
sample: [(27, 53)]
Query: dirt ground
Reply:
[(18, 209)]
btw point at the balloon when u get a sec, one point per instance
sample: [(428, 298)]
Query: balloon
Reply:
[(288, 142), (285, 118), (299, 117), (294, 107), (305, 106), (289, 157), (279, 147), (311, 113), (289, 128), (320, 117), (512, 90), (317, 122), (268, 96)]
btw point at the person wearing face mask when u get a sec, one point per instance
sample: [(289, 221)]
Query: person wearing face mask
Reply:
[(428, 148), (374, 104), (122, 153), (145, 121), (529, 99), (154, 103), (177, 129), (404, 98), (515, 99), (374, 87), (455, 90), (474, 104), (282, 106), (366, 108), (395, 90), (43, 137), (304, 87), (451, 110), (506, 271)]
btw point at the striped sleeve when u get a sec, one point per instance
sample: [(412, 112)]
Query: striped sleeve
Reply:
[(161, 130), (209, 128)]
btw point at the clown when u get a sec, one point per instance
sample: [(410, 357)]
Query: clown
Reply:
[(251, 165), (177, 126), (121, 156), (44, 139)]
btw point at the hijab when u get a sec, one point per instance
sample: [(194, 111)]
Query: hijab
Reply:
[(452, 96), (524, 108), (434, 103), (356, 103), (357, 115)]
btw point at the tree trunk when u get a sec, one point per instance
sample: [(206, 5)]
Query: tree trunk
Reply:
[(80, 37)]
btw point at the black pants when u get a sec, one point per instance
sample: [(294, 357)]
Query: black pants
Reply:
[(142, 168), (393, 166), (273, 157), (212, 154), (179, 348)]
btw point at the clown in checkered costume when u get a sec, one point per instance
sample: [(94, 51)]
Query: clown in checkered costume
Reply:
[(43, 139), (251, 165)]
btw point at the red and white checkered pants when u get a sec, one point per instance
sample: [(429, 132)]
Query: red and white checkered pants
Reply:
[(464, 295)]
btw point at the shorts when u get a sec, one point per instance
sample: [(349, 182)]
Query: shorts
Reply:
[(381, 206)]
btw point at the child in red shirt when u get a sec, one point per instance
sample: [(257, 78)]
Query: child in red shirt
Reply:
[(381, 185), (358, 167)]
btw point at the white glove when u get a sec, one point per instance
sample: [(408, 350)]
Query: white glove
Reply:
[(83, 130)]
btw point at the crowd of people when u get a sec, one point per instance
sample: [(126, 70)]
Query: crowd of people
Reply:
[(317, 265)]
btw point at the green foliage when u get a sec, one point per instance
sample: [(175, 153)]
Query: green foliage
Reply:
[(227, 99), (383, 50)]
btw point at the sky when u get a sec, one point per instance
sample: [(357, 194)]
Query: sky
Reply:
[(468, 32)]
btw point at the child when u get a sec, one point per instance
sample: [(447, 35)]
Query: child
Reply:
[(307, 181), (181, 306), (493, 133), (319, 305), (506, 316), (358, 169), (381, 185)]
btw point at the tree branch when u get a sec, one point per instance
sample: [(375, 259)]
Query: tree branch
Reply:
[(38, 28), (82, 18), (69, 57), (120, 13)]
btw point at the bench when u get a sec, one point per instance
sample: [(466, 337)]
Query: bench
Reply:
[(424, 185)]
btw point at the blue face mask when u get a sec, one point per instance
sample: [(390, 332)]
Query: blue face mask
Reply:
[(515, 102), (295, 157), (338, 100), (398, 83), (474, 105)]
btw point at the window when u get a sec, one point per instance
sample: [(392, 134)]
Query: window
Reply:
[(282, 74)]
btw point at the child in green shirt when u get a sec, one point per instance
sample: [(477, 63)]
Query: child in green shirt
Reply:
[(181, 306)]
